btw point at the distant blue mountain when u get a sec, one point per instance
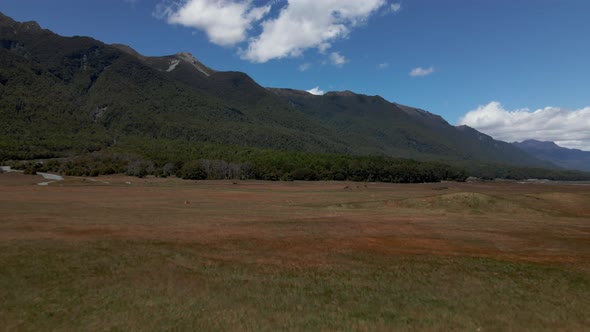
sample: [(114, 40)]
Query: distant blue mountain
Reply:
[(560, 156)]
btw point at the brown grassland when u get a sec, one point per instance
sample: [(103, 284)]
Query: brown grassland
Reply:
[(167, 254)]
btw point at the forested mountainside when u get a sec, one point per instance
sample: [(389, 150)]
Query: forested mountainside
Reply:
[(68, 96)]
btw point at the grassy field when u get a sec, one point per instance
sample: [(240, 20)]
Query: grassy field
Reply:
[(165, 254)]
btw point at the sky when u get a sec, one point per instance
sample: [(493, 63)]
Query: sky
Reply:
[(513, 69)]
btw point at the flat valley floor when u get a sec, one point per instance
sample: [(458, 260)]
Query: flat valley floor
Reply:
[(122, 253)]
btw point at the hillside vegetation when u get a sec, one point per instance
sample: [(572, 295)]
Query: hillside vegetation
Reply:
[(70, 96)]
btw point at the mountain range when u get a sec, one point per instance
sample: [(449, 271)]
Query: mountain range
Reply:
[(560, 156), (61, 96)]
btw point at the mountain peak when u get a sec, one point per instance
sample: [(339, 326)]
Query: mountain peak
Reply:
[(189, 58), (464, 127), (31, 26), (345, 93), (187, 55), (287, 92), (27, 27), (537, 143), (563, 157)]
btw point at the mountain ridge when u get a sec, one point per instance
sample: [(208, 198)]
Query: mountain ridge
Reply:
[(573, 159), (64, 95), (395, 127)]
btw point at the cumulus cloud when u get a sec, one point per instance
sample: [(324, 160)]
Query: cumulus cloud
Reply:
[(323, 48), (225, 22), (418, 72), (337, 59), (316, 91), (305, 24), (293, 26), (567, 128)]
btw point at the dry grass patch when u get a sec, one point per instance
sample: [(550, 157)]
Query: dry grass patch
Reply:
[(160, 254)]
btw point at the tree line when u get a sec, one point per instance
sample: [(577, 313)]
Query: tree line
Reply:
[(276, 166), (189, 160)]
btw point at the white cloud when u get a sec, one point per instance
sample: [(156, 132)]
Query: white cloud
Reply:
[(316, 91), (570, 129), (304, 66), (294, 27), (323, 47), (226, 22), (395, 7), (383, 65), (418, 72), (305, 24), (337, 59)]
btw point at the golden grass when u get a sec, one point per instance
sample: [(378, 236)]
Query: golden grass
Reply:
[(216, 255)]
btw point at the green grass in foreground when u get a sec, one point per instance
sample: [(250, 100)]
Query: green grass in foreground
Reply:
[(123, 285)]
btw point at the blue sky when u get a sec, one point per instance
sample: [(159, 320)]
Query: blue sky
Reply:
[(510, 63)]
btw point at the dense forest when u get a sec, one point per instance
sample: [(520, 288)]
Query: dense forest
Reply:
[(140, 157), (210, 161)]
